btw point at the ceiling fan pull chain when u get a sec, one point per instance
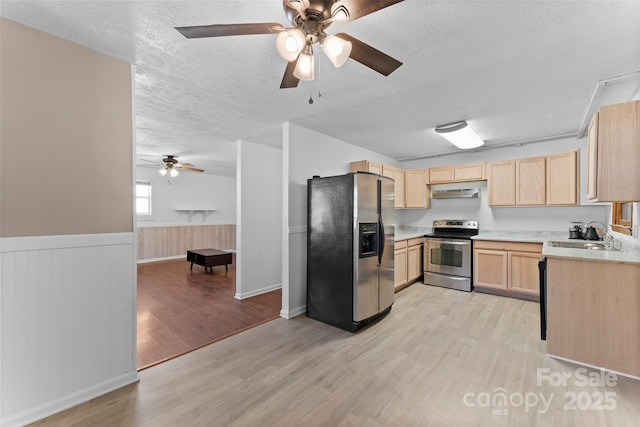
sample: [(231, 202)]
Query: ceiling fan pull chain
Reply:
[(319, 91)]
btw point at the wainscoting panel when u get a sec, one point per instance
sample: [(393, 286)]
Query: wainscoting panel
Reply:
[(67, 316), (170, 242)]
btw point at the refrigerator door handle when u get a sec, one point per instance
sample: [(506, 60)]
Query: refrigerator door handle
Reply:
[(381, 238)]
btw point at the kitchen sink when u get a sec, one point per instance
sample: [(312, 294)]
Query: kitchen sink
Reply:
[(594, 246)]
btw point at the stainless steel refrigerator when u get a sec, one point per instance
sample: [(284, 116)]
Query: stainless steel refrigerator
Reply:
[(350, 239)]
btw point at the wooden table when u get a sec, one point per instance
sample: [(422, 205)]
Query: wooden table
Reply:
[(209, 258)]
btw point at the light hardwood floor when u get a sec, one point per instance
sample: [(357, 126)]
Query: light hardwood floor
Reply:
[(433, 361)]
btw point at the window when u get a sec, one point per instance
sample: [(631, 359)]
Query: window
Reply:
[(622, 214), (143, 198)]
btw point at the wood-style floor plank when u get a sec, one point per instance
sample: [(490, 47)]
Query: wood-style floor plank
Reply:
[(436, 348), (180, 309)]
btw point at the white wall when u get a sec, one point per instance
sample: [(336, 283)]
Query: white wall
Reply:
[(189, 190), (259, 224), (307, 153), (506, 218)]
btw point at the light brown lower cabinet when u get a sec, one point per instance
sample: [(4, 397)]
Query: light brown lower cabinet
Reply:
[(400, 265), (407, 262), (507, 268), (414, 259), (592, 313)]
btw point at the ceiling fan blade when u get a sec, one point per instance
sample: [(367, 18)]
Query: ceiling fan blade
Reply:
[(221, 30), (188, 168), (359, 8), (289, 80), (370, 56)]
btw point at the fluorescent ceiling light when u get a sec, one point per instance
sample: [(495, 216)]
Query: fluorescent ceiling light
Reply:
[(460, 134)]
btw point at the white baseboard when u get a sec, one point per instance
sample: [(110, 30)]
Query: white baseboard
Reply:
[(144, 261), (74, 399), (168, 258), (261, 291), (293, 313)]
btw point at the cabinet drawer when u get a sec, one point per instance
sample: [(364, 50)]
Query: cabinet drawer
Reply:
[(402, 244), (416, 241), (508, 246)]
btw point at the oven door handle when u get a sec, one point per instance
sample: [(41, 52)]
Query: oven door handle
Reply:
[(450, 242)]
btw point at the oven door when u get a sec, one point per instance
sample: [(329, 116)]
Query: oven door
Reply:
[(448, 256)]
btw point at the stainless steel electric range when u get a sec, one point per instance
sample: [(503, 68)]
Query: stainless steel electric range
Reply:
[(448, 254)]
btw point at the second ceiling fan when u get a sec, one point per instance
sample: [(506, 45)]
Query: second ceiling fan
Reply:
[(309, 19)]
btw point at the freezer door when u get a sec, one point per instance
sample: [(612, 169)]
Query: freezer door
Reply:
[(365, 280), (387, 215)]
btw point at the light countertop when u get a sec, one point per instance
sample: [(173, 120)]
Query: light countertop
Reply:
[(405, 232), (520, 236), (626, 252)]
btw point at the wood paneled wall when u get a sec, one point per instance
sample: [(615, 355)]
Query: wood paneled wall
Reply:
[(68, 312), (166, 242)]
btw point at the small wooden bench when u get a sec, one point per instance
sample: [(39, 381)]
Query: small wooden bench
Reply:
[(209, 258)]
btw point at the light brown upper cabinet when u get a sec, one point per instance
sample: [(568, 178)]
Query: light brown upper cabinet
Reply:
[(531, 181), (366, 166), (415, 189), (457, 173), (502, 183), (411, 193), (614, 154), (535, 181), (398, 177), (563, 186)]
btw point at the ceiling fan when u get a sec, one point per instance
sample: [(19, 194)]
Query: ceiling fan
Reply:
[(171, 166), (310, 18)]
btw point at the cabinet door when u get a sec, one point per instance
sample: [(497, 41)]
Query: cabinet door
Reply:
[(441, 174), (414, 262), (375, 168), (618, 153), (531, 181), (398, 178), (388, 171), (502, 183), (366, 166), (562, 179), (490, 268), (415, 189), (469, 172), (523, 272), (592, 158), (400, 268)]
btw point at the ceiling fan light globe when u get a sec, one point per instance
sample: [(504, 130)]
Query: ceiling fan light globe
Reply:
[(173, 173), (163, 171), (305, 66), (290, 43), (337, 50)]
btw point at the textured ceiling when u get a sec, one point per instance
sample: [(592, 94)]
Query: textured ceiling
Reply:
[(516, 70)]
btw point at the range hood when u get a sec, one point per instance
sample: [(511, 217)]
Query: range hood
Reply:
[(458, 193)]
